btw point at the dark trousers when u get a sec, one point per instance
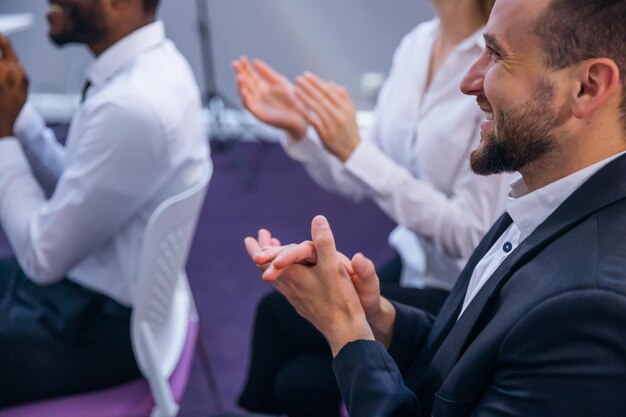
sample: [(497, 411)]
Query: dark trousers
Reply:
[(290, 368), (59, 339)]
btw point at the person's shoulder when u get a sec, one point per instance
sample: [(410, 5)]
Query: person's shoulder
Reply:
[(128, 102), (590, 255), (160, 83), (119, 109)]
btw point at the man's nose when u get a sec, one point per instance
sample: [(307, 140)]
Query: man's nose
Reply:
[(472, 83)]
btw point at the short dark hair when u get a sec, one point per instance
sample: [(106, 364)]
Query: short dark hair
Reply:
[(150, 6), (572, 31)]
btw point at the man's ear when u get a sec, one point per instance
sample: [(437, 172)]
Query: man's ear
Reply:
[(598, 80)]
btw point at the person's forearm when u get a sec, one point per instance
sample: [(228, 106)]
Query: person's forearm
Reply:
[(326, 170), (20, 196), (46, 156), (382, 322)]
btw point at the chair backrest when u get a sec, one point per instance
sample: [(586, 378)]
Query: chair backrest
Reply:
[(164, 306)]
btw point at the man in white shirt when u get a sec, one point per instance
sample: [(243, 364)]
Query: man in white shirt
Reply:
[(535, 324), (75, 215)]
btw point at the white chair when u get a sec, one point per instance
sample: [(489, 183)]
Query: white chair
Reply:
[(164, 325), (164, 308)]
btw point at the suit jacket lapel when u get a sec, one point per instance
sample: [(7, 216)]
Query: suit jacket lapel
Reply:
[(452, 307), (604, 188)]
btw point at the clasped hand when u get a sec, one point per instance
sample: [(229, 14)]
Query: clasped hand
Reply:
[(336, 294)]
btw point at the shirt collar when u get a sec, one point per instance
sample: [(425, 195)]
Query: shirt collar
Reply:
[(121, 53), (529, 210)]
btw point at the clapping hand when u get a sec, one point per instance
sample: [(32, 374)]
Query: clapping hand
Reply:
[(331, 112), (269, 96), (13, 87)]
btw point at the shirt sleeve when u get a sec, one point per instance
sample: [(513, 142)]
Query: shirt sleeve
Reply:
[(325, 168), (45, 155), (371, 379), (109, 175), (371, 383), (410, 331)]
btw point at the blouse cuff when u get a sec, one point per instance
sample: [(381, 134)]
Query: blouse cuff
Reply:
[(301, 149)]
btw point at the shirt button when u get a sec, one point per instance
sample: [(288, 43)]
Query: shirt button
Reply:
[(507, 247)]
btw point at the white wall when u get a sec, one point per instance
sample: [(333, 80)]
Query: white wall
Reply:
[(338, 39)]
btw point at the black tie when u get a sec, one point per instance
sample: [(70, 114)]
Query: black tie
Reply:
[(83, 93)]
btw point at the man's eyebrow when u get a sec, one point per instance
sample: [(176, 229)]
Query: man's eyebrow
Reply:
[(492, 42)]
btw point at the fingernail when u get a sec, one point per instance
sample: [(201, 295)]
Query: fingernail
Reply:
[(359, 263), (320, 222)]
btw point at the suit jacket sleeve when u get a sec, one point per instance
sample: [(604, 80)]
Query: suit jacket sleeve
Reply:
[(565, 357), (370, 378)]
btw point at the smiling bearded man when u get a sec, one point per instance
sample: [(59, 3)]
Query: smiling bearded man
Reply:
[(535, 324), (521, 134)]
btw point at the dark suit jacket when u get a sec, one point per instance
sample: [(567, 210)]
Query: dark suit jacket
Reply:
[(545, 336)]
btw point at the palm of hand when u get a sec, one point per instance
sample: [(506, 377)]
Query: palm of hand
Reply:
[(332, 114), (276, 104)]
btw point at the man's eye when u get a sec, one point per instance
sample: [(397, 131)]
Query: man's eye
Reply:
[(495, 55)]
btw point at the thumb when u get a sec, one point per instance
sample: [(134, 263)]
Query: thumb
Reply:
[(323, 240), (365, 279)]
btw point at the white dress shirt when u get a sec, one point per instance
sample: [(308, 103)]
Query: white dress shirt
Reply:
[(137, 140), (413, 161), (528, 211)]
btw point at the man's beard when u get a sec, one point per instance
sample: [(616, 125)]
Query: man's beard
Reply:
[(524, 135), (83, 25)]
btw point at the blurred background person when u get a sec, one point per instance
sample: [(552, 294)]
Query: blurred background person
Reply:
[(75, 216), (413, 161)]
